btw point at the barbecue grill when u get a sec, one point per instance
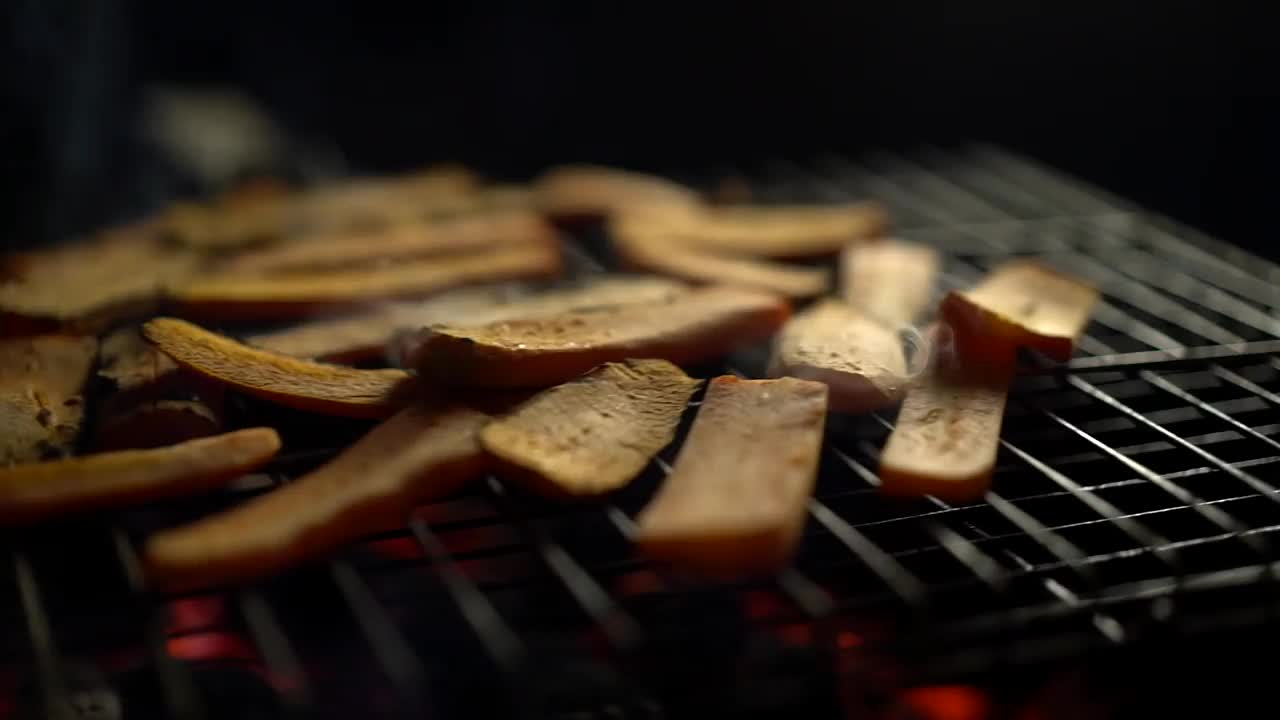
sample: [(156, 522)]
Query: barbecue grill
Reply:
[(1129, 532)]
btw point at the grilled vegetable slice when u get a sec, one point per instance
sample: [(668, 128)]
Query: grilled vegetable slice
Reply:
[(289, 381), (735, 502), (415, 455), (693, 327), (88, 285), (31, 493), (257, 297), (594, 434), (591, 191), (152, 402), (1021, 303), (860, 360), (399, 242), (775, 231), (41, 406), (365, 335), (663, 254), (948, 431), (890, 281)]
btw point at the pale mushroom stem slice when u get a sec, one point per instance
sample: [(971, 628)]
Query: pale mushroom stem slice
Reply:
[(890, 281), (736, 500), (288, 381), (1021, 303), (32, 493), (416, 455), (697, 326), (945, 440), (595, 434), (860, 360)]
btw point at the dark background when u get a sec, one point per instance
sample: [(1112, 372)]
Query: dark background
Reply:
[(1168, 103)]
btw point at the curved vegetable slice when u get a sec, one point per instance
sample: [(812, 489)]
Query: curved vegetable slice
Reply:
[(89, 285), (694, 327), (736, 499), (575, 191), (399, 242), (594, 434), (41, 403), (860, 360), (891, 281), (643, 250), (948, 431), (1021, 303), (366, 335), (257, 297), (31, 493), (289, 381), (774, 231), (416, 455)]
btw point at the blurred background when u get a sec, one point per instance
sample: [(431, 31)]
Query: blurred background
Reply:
[(114, 107)]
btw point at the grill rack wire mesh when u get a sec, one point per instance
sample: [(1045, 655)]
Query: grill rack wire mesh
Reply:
[(1134, 490)]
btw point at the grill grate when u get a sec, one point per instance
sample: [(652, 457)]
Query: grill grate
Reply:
[(1131, 494)]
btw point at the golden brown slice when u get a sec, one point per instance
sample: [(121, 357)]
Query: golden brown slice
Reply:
[(948, 432), (88, 285), (664, 254), (736, 499), (289, 381), (41, 404), (594, 434), (416, 455), (860, 360), (1021, 303), (258, 297), (776, 231), (412, 240), (891, 281), (31, 493), (697, 326), (366, 335), (152, 402), (590, 191)]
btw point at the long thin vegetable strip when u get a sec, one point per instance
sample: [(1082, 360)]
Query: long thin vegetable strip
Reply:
[(735, 502), (416, 455), (31, 493)]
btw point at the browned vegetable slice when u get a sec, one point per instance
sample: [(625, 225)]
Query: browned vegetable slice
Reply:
[(152, 402), (398, 242), (775, 231), (87, 285), (948, 431), (860, 360), (31, 493), (1021, 303), (289, 381), (594, 434), (652, 251), (416, 455), (590, 191), (891, 281), (41, 406), (694, 327), (366, 335), (736, 499), (236, 296)]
